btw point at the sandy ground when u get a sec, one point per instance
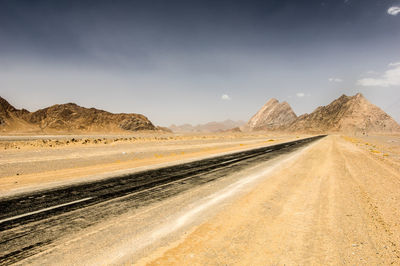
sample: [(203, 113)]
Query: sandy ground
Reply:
[(125, 238), (31, 162), (337, 204)]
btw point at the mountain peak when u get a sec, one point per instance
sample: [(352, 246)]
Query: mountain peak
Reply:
[(272, 116), (6, 106), (349, 114), (272, 101)]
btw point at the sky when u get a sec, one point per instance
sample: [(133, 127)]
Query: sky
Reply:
[(199, 61)]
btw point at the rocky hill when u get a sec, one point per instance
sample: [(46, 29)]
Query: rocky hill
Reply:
[(12, 118), (69, 118), (208, 127), (272, 116), (349, 114)]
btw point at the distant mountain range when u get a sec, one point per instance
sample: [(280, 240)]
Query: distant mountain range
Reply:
[(208, 127), (69, 118), (348, 114)]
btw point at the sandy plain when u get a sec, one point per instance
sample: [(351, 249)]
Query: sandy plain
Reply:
[(337, 204), (32, 162)]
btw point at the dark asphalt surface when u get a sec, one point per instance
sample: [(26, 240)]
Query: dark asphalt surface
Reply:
[(32, 222)]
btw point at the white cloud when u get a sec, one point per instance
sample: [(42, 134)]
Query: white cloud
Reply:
[(335, 80), (390, 78), (225, 97), (300, 94), (394, 64), (394, 10), (371, 72)]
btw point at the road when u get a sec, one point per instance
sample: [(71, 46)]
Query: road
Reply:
[(31, 222), (336, 203)]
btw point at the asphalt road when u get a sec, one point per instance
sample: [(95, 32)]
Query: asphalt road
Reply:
[(32, 222)]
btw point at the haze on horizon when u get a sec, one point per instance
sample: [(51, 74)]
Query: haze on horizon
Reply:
[(199, 61)]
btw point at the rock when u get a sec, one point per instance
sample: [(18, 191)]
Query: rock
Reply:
[(70, 117), (272, 116), (348, 114)]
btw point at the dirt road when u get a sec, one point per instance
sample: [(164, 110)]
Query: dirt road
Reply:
[(336, 204)]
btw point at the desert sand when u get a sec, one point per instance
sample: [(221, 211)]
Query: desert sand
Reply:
[(336, 204), (32, 162)]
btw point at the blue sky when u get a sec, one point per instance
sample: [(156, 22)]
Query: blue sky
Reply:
[(199, 61)]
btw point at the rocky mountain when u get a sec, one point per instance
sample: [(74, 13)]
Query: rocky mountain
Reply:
[(272, 116), (10, 117), (69, 118), (208, 127), (349, 114)]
